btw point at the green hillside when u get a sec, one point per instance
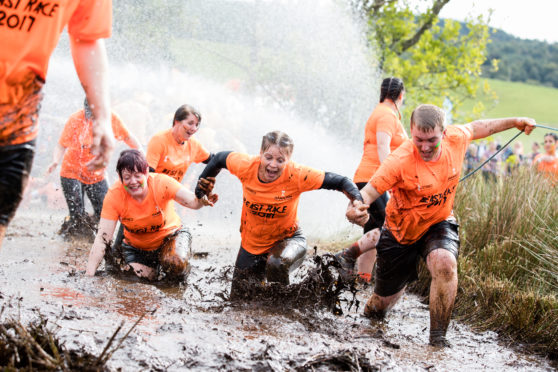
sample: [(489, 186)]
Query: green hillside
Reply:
[(520, 99)]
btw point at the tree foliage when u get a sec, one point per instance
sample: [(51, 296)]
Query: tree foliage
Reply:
[(438, 61)]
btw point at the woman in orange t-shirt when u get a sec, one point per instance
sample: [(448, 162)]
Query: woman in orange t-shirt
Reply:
[(172, 150), (383, 133), (272, 243), (547, 163), (74, 149), (153, 234)]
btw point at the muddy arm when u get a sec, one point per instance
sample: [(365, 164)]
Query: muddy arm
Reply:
[(188, 199), (218, 162), (487, 127), (103, 238)]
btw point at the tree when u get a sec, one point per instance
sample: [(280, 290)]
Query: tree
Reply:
[(437, 60)]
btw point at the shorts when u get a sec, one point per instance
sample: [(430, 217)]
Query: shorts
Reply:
[(15, 167), (377, 211), (152, 259), (396, 264)]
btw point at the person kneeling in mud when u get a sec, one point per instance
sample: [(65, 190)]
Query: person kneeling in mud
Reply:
[(153, 233), (423, 174), (272, 243)]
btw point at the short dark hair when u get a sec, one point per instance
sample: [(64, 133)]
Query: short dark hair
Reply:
[(182, 113), (552, 135), (391, 88), (131, 160), (278, 138), (427, 117)]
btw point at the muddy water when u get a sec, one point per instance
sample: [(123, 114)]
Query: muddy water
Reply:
[(193, 327)]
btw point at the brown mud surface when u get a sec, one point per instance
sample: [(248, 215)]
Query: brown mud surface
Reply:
[(195, 327)]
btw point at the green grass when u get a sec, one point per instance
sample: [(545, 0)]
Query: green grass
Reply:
[(520, 99)]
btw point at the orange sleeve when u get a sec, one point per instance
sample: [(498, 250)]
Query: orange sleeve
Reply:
[(387, 124), (118, 128), (238, 162), (200, 153), (91, 20), (154, 150), (110, 204), (309, 178), (388, 174), (68, 135), (167, 186)]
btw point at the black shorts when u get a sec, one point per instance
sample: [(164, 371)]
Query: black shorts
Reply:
[(396, 263), (377, 211), (15, 167), (151, 258)]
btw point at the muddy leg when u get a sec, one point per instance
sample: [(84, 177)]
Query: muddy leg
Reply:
[(175, 255), (249, 270), (378, 306), (143, 271), (285, 257), (367, 257), (443, 269)]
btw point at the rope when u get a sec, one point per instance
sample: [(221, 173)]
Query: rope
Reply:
[(493, 155), (545, 127)]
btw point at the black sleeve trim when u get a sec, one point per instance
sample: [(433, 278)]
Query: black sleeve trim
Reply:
[(151, 170), (334, 181), (218, 161), (206, 161)]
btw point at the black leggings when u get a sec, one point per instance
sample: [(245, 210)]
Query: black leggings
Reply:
[(377, 211), (15, 167), (74, 192)]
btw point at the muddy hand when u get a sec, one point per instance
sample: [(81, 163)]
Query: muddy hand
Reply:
[(209, 200), (526, 124), (357, 212), (101, 147), (206, 185)]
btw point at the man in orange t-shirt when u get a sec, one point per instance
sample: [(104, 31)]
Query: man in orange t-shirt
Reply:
[(74, 149), (547, 163), (272, 243), (172, 150), (29, 33), (423, 174), (153, 234)]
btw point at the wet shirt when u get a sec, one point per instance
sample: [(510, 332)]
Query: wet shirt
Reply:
[(76, 138), (167, 156), (146, 224), (29, 32), (269, 210), (382, 119), (422, 192), (548, 168)]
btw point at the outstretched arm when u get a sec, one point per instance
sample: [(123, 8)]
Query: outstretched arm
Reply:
[(334, 181), (212, 169), (487, 127), (59, 151), (357, 211), (90, 61), (188, 199), (102, 240)]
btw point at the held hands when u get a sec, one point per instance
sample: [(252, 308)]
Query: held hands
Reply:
[(204, 190), (357, 212), (209, 200), (525, 124), (102, 145)]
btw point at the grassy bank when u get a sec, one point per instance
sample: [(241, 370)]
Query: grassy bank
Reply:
[(508, 264)]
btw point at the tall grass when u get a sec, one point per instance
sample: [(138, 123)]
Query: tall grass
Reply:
[(508, 264)]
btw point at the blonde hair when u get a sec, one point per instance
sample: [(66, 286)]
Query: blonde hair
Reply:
[(280, 139)]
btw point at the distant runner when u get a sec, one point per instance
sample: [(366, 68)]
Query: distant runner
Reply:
[(423, 174), (272, 242), (74, 149), (547, 162), (153, 233), (29, 32)]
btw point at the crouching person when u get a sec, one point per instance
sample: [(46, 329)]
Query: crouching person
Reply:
[(154, 237)]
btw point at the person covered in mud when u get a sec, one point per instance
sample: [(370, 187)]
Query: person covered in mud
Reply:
[(154, 237), (26, 43), (383, 133), (422, 175), (547, 162), (74, 149), (171, 151), (272, 243)]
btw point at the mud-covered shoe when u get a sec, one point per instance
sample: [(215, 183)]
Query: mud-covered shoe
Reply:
[(347, 264), (438, 339)]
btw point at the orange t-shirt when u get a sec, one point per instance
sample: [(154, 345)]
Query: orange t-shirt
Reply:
[(29, 32), (382, 119), (76, 138), (422, 192), (548, 168), (167, 156), (146, 224), (269, 210)]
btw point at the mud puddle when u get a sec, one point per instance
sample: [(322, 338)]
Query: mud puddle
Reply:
[(194, 327)]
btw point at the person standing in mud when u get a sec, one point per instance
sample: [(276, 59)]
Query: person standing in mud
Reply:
[(383, 133), (547, 162), (153, 233), (74, 147), (28, 37), (171, 151), (423, 174), (272, 243)]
